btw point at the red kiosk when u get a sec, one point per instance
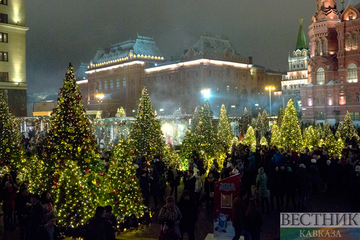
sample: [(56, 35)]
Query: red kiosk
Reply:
[(225, 191)]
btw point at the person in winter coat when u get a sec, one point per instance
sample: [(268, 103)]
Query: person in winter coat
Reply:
[(171, 212), (209, 192), (49, 230), (167, 231), (261, 184), (188, 210), (253, 220), (98, 228), (154, 185), (36, 216), (329, 173), (275, 187), (9, 195), (289, 187), (302, 180), (22, 207), (189, 183), (174, 181), (238, 213), (215, 172), (144, 186), (198, 186), (314, 176)]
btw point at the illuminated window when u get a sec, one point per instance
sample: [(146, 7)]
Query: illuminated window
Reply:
[(348, 42), (3, 18), (3, 56), (320, 76), (111, 85), (342, 100), (117, 84), (323, 47), (352, 73), (354, 41), (100, 86), (4, 76), (354, 116), (105, 85), (3, 37)]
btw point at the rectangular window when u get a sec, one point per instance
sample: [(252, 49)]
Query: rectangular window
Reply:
[(3, 18), (4, 76), (4, 2), (352, 115), (356, 116), (228, 89), (3, 56), (3, 37), (117, 84)]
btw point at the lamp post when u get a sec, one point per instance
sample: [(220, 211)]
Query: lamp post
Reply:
[(269, 88), (206, 93), (100, 97)]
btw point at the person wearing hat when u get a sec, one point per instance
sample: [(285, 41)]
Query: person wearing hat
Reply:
[(302, 180), (171, 212), (49, 230), (314, 176), (36, 216)]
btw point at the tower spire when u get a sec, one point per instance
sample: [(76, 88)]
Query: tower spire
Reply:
[(301, 40)]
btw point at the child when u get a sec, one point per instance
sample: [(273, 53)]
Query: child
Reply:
[(167, 231)]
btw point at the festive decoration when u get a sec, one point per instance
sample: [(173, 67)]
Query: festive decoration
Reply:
[(146, 138), (348, 131), (224, 134), (120, 112), (291, 138), (319, 133), (263, 141), (10, 146), (173, 159), (329, 139), (122, 187), (72, 170), (244, 122), (98, 115), (275, 136), (187, 146), (250, 139), (280, 117), (310, 138)]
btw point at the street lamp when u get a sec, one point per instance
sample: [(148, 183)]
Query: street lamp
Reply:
[(269, 88), (206, 93), (100, 97)]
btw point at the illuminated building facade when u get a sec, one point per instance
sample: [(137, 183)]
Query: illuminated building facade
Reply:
[(13, 54), (333, 85), (212, 63)]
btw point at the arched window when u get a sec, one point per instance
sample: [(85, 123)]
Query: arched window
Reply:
[(348, 42), (105, 85), (352, 73), (304, 53), (100, 86), (324, 47), (111, 85), (320, 76), (117, 84), (354, 41)]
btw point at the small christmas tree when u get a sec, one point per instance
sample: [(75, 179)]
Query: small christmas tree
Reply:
[(72, 170), (224, 135), (245, 121), (348, 130), (291, 137), (319, 133), (98, 115), (146, 138), (204, 135), (264, 123), (250, 139), (329, 139), (310, 138), (120, 112), (11, 150), (122, 186), (263, 141), (188, 145), (275, 136), (339, 131)]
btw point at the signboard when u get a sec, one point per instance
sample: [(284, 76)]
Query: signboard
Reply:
[(225, 191)]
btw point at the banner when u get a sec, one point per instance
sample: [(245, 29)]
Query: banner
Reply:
[(225, 191)]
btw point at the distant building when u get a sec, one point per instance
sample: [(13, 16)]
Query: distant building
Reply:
[(121, 72), (13, 54), (297, 76), (333, 85)]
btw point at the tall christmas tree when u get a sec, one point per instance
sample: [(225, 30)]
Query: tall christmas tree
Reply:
[(250, 139), (188, 145), (205, 138), (146, 138), (225, 135), (245, 122), (122, 186), (72, 170), (120, 112), (10, 142), (348, 130), (291, 137), (310, 138)]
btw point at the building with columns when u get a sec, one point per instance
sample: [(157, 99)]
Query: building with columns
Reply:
[(13, 54), (334, 64), (120, 73)]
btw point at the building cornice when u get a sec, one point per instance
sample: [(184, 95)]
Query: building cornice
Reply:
[(14, 27), (13, 85)]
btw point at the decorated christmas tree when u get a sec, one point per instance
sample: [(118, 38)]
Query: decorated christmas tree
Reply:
[(224, 135), (122, 186), (188, 145), (204, 135), (291, 138), (11, 150), (173, 159), (339, 147), (98, 115), (319, 133), (120, 112), (275, 136), (280, 116), (195, 119), (146, 138), (329, 139), (310, 138), (348, 130), (72, 170), (263, 141), (339, 131), (264, 124), (250, 139), (245, 121)]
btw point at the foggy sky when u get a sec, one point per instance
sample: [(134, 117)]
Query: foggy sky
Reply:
[(72, 30)]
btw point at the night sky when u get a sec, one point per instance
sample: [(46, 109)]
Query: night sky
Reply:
[(72, 30)]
